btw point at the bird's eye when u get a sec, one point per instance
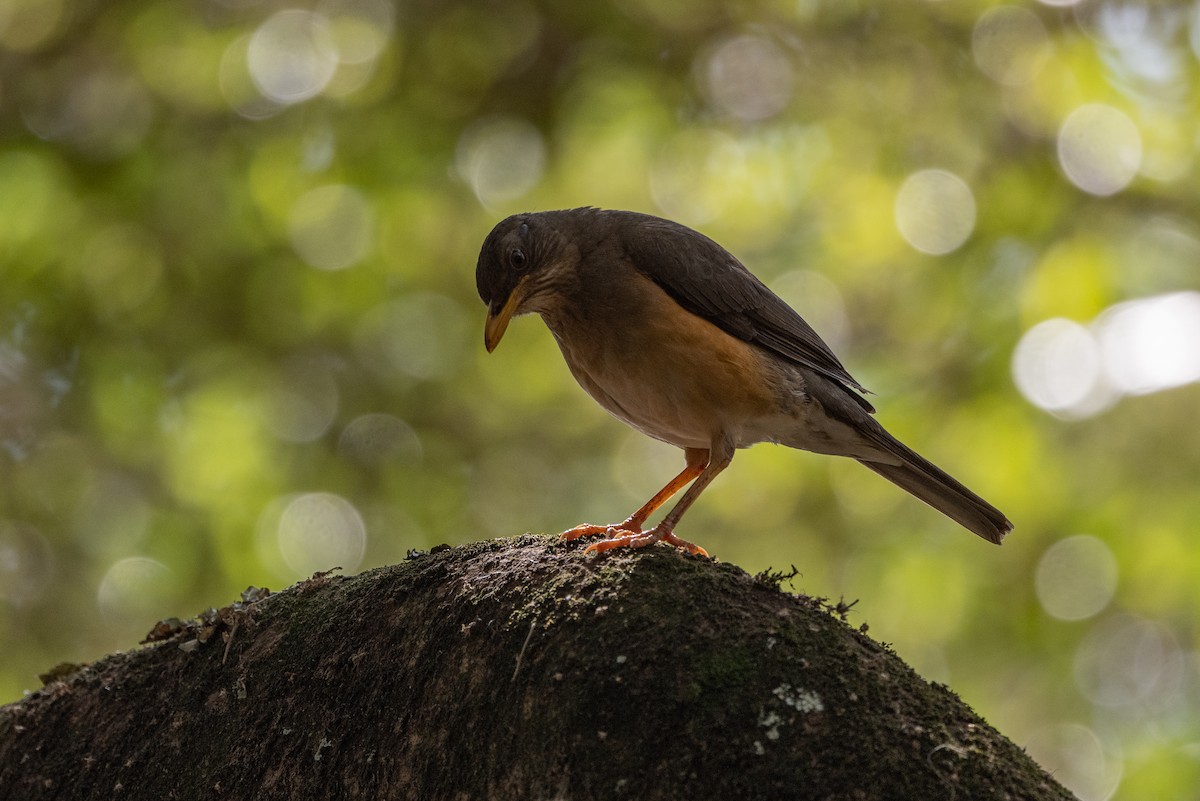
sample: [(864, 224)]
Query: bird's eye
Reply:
[(517, 258)]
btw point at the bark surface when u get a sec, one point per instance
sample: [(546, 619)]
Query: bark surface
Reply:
[(511, 669)]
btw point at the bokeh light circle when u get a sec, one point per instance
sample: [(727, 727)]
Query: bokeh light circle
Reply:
[(1130, 663), (1075, 756), (749, 77), (1076, 578), (332, 227), (1057, 367), (292, 56), (1151, 344), (501, 158), (1099, 148), (320, 531), (935, 211), (134, 588)]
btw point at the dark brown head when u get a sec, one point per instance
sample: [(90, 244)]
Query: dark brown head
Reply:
[(523, 265)]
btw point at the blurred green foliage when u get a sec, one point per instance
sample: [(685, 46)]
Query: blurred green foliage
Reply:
[(240, 341)]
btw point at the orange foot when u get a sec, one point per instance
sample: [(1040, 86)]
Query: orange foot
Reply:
[(591, 530), (635, 538)]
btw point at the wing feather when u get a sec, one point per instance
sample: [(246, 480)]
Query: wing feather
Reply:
[(710, 282)]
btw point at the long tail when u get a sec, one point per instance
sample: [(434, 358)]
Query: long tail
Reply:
[(920, 477)]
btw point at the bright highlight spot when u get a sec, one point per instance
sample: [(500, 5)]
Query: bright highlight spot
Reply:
[(319, 531), (1099, 148), (500, 158), (935, 211), (1076, 578), (1152, 344), (1057, 367), (332, 227), (749, 77), (1134, 348), (292, 56)]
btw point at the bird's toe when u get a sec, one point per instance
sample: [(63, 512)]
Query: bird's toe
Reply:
[(592, 530), (690, 547), (643, 539)]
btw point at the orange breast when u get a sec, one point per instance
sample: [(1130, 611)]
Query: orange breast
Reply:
[(665, 371)]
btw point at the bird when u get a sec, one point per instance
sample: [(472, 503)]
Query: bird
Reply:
[(672, 335)]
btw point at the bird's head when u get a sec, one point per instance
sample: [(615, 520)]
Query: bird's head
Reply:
[(524, 265)]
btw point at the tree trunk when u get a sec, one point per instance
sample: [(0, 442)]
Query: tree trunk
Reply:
[(511, 669)]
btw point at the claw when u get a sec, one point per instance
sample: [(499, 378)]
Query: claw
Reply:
[(690, 547)]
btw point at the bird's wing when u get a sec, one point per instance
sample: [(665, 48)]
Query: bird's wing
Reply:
[(708, 281)]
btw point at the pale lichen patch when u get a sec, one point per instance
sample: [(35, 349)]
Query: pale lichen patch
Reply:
[(799, 699)]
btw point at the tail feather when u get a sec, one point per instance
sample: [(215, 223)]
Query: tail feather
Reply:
[(900, 464), (920, 477)]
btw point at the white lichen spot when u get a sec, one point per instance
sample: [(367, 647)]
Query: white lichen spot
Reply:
[(799, 699), (621, 659), (771, 722), (770, 643), (758, 748), (803, 701)]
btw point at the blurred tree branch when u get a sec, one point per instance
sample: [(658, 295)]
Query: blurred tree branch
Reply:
[(511, 669)]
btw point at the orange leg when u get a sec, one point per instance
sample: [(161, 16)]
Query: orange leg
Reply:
[(697, 459), (702, 467)]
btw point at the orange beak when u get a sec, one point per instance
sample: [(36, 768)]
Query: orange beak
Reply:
[(497, 321)]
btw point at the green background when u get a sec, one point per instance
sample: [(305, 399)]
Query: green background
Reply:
[(240, 340)]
